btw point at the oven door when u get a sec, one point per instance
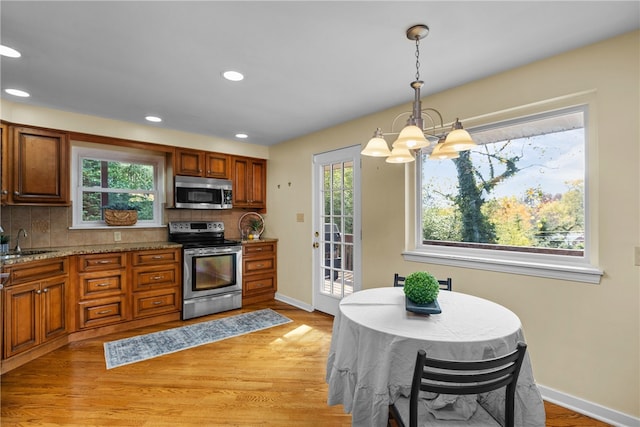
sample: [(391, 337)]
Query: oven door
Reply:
[(212, 271)]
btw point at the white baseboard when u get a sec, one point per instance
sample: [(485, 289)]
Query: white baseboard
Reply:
[(294, 302), (589, 409)]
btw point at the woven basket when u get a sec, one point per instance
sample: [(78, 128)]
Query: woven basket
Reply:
[(114, 217)]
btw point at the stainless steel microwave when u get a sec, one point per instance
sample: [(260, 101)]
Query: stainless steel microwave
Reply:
[(202, 193)]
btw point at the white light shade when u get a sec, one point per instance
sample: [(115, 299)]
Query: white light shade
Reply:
[(459, 140), (400, 155), (376, 147), (411, 137), (440, 152)]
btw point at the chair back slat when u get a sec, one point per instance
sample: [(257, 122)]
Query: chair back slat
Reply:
[(467, 377)]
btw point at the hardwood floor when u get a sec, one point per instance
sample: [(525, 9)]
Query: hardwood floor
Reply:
[(274, 377)]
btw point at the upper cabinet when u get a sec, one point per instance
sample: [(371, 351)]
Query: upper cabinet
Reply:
[(35, 166), (249, 176), (201, 163)]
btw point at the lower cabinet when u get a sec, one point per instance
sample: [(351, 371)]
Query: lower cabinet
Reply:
[(259, 271), (102, 289), (35, 305), (155, 281)]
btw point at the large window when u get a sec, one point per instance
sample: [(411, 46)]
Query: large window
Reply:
[(518, 197), (105, 178)]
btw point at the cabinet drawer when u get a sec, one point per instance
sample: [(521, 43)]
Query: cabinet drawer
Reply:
[(154, 278), (35, 270), (257, 285), (102, 312), (99, 262), (250, 249), (102, 284), (155, 257), (261, 265), (155, 302)]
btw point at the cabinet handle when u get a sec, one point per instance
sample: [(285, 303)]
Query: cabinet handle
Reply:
[(259, 249), (157, 302), (104, 312), (102, 285), (259, 265), (157, 277), (157, 257), (104, 261)]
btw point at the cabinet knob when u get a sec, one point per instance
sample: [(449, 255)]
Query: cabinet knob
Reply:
[(5, 192), (38, 292), (16, 193), (45, 290)]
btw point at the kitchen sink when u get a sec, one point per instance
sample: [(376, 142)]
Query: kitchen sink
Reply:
[(24, 252)]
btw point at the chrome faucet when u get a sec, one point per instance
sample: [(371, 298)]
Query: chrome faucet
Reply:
[(24, 234)]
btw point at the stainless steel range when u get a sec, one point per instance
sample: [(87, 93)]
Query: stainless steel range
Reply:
[(211, 270)]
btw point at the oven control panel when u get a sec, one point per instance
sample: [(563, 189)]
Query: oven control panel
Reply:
[(178, 227)]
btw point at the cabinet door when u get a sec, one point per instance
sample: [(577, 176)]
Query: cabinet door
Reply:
[(249, 177), (189, 162), (217, 165), (53, 306), (4, 163), (22, 320), (40, 167)]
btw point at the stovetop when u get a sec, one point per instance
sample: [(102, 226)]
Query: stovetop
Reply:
[(198, 234)]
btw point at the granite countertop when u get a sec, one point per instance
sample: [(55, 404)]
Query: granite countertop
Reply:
[(85, 249), (260, 240)]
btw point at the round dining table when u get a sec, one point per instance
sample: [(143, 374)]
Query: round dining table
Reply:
[(375, 341)]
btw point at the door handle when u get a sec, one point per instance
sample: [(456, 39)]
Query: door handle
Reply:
[(316, 245)]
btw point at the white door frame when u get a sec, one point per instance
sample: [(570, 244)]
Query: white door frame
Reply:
[(327, 293)]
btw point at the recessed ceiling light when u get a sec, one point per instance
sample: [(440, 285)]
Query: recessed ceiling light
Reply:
[(234, 76), (8, 51), (242, 136), (153, 119), (17, 92)]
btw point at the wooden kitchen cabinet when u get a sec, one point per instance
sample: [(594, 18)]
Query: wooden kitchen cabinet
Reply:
[(35, 167), (156, 282), (259, 271), (35, 305), (201, 163), (102, 294), (4, 163), (249, 176)]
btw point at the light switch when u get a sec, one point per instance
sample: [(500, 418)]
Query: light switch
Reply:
[(300, 217), (637, 257), (117, 236)]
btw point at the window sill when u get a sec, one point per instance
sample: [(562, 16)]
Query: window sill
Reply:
[(555, 267), (112, 227)]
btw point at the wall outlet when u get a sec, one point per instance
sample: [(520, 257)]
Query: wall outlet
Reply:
[(117, 236), (637, 256), (300, 217)]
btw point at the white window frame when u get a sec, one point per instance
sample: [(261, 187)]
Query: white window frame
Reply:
[(118, 154), (574, 268)]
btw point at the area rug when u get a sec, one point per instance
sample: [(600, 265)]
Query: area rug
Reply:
[(142, 347)]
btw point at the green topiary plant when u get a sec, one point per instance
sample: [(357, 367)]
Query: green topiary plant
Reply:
[(421, 287)]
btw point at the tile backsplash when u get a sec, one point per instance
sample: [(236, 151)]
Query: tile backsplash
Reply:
[(49, 226)]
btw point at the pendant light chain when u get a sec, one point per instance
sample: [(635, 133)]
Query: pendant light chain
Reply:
[(417, 59)]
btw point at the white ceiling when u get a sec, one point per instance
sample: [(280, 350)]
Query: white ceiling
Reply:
[(308, 65)]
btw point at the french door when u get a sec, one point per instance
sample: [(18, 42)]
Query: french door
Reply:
[(336, 225)]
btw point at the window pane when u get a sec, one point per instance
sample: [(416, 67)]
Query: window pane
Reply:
[(521, 187)]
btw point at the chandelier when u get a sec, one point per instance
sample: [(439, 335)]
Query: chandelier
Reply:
[(415, 136)]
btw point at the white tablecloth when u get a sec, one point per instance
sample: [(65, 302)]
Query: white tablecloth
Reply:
[(375, 341)]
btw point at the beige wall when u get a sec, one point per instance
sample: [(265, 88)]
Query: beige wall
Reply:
[(584, 338)]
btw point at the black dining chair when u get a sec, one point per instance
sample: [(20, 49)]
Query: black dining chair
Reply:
[(460, 378), (445, 284)]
